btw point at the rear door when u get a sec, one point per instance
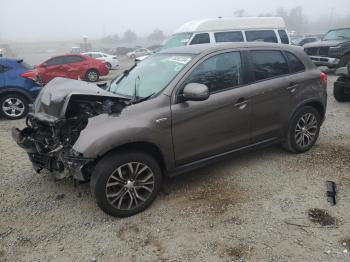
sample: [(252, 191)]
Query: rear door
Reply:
[(74, 66), (270, 96), (222, 122)]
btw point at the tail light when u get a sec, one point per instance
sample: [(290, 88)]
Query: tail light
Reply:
[(323, 78), (30, 75)]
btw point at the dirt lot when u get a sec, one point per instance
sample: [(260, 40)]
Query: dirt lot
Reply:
[(253, 207)]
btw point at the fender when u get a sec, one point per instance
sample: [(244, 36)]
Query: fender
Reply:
[(318, 102), (18, 90)]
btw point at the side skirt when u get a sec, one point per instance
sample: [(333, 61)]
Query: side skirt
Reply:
[(216, 158)]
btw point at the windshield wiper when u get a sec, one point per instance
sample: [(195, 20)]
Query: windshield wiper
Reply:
[(141, 99), (136, 85)]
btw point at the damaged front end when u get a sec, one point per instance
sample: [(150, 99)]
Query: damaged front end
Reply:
[(61, 111)]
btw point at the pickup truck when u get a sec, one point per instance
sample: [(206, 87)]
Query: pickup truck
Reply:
[(332, 51)]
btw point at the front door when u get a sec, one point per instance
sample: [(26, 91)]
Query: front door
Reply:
[(219, 124)]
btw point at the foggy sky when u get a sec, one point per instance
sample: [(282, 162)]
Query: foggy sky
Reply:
[(31, 20)]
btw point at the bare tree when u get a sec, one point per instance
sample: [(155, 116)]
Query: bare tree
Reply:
[(239, 13), (156, 36), (129, 36)]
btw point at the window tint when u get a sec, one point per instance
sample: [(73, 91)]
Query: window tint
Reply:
[(219, 72), (295, 64), (283, 36), (200, 39), (229, 36), (261, 35), (55, 61), (74, 59), (268, 64)]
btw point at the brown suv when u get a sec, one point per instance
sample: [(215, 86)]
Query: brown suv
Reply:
[(176, 110)]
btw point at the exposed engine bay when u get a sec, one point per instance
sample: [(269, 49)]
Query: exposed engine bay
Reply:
[(55, 125)]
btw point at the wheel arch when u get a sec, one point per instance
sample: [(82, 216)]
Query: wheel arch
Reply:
[(313, 103), (146, 147), (16, 90)]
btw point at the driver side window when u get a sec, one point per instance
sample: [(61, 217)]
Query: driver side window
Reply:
[(219, 72)]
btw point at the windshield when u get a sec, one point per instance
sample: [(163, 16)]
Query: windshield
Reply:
[(150, 76), (177, 40), (337, 34)]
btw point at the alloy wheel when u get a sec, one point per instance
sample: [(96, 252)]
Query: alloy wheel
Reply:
[(92, 76), (306, 130), (13, 107), (130, 185)]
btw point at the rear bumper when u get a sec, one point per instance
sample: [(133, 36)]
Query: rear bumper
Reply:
[(325, 61)]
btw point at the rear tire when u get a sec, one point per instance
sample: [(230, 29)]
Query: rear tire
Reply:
[(92, 75), (13, 106), (303, 130), (125, 183)]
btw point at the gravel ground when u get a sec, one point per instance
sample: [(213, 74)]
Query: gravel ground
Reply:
[(253, 207)]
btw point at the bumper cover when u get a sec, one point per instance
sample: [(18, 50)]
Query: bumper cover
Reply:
[(56, 163), (325, 61)]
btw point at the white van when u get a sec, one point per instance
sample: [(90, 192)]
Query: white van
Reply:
[(239, 29)]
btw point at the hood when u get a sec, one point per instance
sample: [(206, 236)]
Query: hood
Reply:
[(60, 94), (327, 43)]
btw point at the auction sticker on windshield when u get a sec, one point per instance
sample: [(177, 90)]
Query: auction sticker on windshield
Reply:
[(179, 59)]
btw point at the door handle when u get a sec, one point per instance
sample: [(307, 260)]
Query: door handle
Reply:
[(292, 87), (241, 103)]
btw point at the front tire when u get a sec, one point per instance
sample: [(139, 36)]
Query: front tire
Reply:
[(13, 106), (92, 75), (303, 130), (125, 183)]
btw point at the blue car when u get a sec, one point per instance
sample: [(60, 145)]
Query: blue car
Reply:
[(18, 88)]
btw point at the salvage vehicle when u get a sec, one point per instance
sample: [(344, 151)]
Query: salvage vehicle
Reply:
[(341, 89), (18, 88), (175, 111), (111, 61), (333, 50), (238, 29), (73, 67)]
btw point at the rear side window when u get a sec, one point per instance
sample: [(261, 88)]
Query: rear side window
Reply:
[(219, 72), (262, 36), (228, 36), (268, 64), (74, 59), (295, 64), (284, 37), (55, 61), (95, 55), (200, 39)]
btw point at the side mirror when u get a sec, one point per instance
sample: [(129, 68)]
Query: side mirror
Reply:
[(43, 65), (195, 92)]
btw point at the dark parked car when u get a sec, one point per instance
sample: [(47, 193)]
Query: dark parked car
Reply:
[(301, 41), (73, 67), (18, 88), (333, 50), (341, 89), (177, 110)]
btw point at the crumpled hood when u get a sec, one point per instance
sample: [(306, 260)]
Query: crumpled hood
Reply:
[(327, 43), (53, 99)]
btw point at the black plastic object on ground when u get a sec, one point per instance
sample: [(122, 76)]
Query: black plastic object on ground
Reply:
[(331, 192)]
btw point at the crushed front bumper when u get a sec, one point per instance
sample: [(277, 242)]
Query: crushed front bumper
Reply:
[(59, 164), (325, 61)]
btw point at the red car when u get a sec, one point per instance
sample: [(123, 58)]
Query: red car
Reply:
[(72, 66)]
